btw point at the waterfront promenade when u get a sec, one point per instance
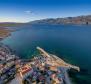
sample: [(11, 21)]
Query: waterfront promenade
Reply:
[(57, 61), (44, 68)]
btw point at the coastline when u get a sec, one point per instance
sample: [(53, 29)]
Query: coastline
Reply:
[(46, 58), (67, 78), (4, 32), (68, 81)]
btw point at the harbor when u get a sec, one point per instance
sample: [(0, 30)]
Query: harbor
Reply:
[(44, 68)]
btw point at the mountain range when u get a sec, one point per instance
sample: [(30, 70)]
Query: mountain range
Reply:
[(68, 20), (86, 20)]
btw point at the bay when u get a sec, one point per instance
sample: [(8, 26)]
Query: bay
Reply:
[(70, 42)]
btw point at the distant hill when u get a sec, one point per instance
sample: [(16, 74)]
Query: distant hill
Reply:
[(10, 24), (68, 20)]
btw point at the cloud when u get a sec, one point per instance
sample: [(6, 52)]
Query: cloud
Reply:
[(28, 12)]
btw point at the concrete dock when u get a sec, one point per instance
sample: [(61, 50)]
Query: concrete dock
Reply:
[(57, 61)]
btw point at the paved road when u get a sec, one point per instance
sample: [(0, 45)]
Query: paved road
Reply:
[(17, 80)]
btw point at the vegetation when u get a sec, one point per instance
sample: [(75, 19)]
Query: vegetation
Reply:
[(10, 24), (4, 32)]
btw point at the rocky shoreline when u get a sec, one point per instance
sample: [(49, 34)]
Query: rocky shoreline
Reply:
[(4, 32)]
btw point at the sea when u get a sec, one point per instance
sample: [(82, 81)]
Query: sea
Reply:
[(72, 43)]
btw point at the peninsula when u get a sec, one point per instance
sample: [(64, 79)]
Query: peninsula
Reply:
[(4, 32), (44, 68)]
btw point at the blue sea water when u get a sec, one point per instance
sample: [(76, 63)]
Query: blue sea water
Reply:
[(70, 42)]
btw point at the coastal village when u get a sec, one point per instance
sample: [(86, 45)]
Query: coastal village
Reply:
[(45, 41), (44, 68)]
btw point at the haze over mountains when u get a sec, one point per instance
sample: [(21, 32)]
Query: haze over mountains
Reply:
[(67, 20)]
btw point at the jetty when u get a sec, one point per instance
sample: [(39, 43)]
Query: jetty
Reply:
[(56, 61), (47, 68)]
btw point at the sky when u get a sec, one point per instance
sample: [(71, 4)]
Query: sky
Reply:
[(30, 10)]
